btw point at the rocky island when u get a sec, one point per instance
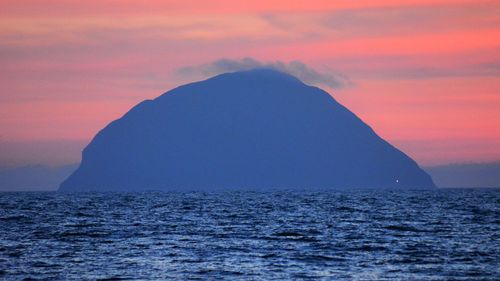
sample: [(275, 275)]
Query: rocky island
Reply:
[(258, 129)]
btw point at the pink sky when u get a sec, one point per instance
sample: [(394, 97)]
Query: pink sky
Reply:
[(424, 74)]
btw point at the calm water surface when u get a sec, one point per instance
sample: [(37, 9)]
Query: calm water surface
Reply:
[(351, 235)]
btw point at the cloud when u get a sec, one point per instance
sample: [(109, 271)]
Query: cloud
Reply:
[(378, 21), (296, 68), (486, 69), (381, 21)]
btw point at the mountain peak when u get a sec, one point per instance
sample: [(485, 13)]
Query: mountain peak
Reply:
[(253, 129), (260, 74)]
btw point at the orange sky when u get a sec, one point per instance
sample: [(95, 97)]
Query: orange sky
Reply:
[(424, 74)]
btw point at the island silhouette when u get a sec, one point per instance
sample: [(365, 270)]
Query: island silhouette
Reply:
[(256, 129)]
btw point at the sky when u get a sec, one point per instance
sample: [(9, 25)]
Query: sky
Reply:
[(425, 75)]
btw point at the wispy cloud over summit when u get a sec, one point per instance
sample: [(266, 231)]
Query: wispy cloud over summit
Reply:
[(296, 68)]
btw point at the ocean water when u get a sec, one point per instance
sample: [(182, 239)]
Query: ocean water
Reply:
[(348, 235)]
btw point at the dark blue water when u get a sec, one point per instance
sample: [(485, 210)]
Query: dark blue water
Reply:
[(353, 235)]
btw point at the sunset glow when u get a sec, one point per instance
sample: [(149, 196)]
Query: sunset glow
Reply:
[(424, 74)]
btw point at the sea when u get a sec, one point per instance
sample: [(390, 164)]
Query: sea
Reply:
[(441, 234)]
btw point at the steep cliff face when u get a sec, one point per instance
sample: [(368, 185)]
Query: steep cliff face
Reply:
[(258, 129)]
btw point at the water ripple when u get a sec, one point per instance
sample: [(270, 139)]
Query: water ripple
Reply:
[(360, 235)]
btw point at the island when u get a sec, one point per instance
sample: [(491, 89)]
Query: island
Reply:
[(258, 129)]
